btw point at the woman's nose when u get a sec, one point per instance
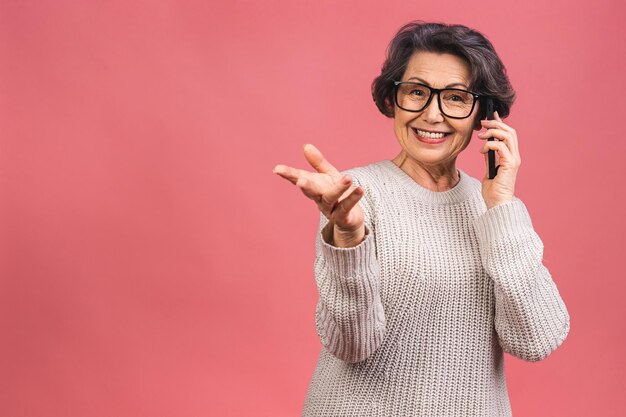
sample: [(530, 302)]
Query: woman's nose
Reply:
[(431, 113)]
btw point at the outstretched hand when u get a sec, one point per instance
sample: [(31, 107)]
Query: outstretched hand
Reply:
[(332, 191)]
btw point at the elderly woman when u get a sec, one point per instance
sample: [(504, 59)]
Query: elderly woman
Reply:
[(426, 275)]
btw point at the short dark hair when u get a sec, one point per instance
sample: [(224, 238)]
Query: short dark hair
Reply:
[(488, 74)]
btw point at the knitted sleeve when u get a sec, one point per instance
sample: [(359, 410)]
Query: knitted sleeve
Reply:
[(530, 316), (349, 315)]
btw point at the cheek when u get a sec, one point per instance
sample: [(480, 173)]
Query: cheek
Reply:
[(464, 141), (463, 135), (400, 127), (465, 130), (402, 120)]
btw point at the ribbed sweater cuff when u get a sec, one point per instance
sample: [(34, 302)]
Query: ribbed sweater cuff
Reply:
[(502, 221), (350, 262)]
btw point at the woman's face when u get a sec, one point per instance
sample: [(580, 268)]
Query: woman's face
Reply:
[(437, 71)]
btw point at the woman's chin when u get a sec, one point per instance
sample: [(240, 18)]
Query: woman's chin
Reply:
[(429, 155)]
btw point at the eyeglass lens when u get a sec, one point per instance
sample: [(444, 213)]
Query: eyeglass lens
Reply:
[(454, 103)]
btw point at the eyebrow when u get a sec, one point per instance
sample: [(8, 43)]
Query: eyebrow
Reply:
[(447, 86)]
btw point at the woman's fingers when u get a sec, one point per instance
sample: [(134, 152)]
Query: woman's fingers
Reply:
[(331, 190), (510, 139), (330, 198), (328, 201), (310, 188), (499, 130), (317, 160), (514, 143), (505, 157), (289, 173), (335, 196), (497, 122), (342, 211), (499, 135), (324, 195)]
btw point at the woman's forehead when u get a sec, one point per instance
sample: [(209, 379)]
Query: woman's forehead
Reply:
[(437, 69)]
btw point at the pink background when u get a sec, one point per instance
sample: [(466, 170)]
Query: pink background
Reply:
[(152, 265)]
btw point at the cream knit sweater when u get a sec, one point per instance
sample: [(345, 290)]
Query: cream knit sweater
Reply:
[(414, 320)]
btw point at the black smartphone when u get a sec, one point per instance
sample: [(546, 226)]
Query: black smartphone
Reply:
[(491, 154)]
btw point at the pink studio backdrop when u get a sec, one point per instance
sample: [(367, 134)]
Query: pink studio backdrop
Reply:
[(152, 265)]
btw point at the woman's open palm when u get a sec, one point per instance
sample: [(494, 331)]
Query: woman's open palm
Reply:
[(332, 191)]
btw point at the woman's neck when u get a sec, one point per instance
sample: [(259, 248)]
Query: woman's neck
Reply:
[(434, 178)]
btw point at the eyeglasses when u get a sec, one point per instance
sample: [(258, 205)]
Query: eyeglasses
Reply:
[(453, 102)]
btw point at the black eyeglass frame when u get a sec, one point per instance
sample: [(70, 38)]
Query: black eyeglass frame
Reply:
[(434, 91)]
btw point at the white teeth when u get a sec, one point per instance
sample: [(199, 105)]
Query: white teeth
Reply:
[(430, 135)]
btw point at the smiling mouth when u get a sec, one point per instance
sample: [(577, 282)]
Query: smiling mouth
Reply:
[(430, 135)]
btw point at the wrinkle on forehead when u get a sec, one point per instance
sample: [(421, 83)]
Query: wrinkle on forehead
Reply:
[(438, 69)]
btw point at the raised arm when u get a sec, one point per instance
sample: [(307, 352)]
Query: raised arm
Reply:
[(349, 315), (530, 318)]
